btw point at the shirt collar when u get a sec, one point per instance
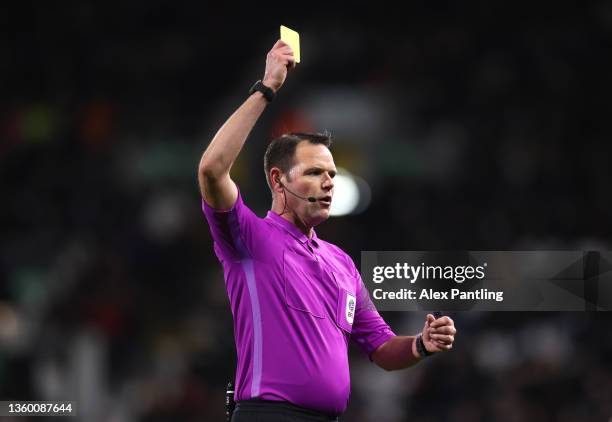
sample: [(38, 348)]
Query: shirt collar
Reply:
[(290, 228)]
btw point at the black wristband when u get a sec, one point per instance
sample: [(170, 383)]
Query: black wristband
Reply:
[(267, 92), (420, 346)]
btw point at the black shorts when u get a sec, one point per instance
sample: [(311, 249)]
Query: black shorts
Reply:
[(276, 411)]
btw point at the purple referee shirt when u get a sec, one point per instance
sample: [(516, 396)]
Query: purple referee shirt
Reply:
[(295, 302)]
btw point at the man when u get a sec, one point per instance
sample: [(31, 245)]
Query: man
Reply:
[(296, 299)]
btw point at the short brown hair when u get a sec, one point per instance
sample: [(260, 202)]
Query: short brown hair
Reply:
[(281, 150)]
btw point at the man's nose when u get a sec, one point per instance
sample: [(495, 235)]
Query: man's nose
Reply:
[(328, 183)]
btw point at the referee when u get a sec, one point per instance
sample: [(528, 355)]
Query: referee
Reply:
[(295, 298)]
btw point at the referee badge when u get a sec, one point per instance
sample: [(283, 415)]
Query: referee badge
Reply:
[(350, 308)]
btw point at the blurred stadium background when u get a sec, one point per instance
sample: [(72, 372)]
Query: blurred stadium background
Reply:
[(480, 126)]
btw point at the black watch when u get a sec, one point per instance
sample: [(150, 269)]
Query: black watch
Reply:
[(267, 92), (420, 346)]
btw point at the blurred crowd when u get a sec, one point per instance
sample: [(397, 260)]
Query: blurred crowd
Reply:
[(477, 127)]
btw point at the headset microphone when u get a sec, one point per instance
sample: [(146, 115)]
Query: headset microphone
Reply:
[(309, 198)]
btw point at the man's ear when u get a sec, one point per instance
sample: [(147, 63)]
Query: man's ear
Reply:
[(275, 179)]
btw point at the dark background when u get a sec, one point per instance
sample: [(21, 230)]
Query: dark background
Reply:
[(478, 126)]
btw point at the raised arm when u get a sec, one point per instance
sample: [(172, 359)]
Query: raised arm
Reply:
[(217, 188)]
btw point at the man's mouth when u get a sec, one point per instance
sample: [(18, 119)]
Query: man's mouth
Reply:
[(326, 200)]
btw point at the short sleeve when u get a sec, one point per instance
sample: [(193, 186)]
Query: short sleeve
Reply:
[(233, 230), (369, 329)]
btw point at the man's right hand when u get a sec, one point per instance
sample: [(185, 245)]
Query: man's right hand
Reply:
[(278, 61)]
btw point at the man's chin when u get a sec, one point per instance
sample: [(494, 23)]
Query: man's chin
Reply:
[(319, 218)]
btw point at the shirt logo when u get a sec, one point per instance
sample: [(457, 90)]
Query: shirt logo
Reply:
[(350, 308)]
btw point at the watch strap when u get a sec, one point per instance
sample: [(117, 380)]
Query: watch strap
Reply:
[(420, 346), (267, 92)]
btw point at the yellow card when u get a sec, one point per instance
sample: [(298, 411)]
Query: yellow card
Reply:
[(292, 38)]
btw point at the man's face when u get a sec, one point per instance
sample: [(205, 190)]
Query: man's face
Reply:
[(311, 175)]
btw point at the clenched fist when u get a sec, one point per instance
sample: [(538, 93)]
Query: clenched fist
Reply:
[(438, 334), (278, 61)]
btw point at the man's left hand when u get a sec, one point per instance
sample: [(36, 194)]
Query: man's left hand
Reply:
[(438, 334)]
